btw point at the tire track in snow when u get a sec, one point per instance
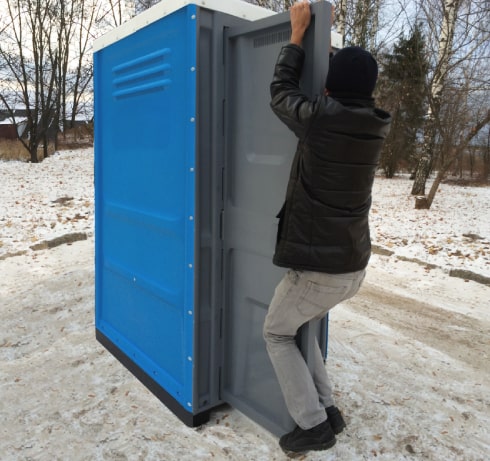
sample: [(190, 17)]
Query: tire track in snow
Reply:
[(457, 335)]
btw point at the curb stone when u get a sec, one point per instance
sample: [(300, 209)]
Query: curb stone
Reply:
[(376, 249), (11, 255), (458, 273), (47, 244), (64, 239)]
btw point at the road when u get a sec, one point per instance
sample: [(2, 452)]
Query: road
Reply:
[(408, 357)]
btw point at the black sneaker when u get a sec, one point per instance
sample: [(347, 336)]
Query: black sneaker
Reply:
[(299, 440), (335, 419)]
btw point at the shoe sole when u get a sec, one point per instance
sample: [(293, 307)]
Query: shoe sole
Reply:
[(296, 454)]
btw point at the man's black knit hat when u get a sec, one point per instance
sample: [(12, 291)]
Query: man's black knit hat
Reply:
[(352, 70)]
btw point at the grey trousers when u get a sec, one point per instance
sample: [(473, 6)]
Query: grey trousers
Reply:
[(302, 296)]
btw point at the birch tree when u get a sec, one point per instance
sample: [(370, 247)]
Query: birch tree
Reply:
[(365, 23), (460, 75), (444, 56), (455, 152), (341, 18), (357, 21)]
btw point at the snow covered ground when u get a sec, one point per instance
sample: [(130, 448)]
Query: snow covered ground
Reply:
[(453, 234), (409, 356), (39, 202)]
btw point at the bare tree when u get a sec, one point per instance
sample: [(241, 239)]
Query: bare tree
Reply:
[(341, 17), (453, 154), (76, 22), (462, 51), (47, 65), (31, 69), (446, 38), (274, 5), (357, 21), (115, 8), (486, 157), (365, 23), (141, 5)]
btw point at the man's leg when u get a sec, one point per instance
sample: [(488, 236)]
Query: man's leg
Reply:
[(280, 327), (321, 379), (299, 298), (296, 382), (324, 389)]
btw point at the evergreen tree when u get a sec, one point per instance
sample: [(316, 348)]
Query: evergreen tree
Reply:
[(403, 92)]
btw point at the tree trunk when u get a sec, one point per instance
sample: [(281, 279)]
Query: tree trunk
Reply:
[(421, 175), (33, 147), (373, 30), (341, 18), (361, 22), (486, 160), (446, 38), (424, 165), (422, 202), (434, 188)]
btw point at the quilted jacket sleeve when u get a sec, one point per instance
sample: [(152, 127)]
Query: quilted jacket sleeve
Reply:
[(287, 101)]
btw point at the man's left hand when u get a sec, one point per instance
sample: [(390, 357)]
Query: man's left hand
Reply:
[(300, 15)]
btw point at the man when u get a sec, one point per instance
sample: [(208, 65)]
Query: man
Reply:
[(323, 235)]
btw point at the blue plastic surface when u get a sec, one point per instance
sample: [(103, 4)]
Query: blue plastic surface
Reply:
[(145, 198)]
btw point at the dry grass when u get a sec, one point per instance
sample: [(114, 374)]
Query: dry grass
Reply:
[(12, 149), (73, 138)]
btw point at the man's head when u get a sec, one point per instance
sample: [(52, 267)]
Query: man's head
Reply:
[(352, 71)]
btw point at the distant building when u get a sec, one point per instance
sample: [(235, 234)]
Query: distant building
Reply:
[(10, 129)]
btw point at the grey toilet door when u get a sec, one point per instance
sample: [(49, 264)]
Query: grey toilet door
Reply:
[(258, 154)]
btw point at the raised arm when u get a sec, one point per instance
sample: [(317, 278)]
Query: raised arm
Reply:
[(300, 14)]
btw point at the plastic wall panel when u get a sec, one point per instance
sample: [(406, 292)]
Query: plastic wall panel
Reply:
[(145, 110), (210, 163), (259, 152)]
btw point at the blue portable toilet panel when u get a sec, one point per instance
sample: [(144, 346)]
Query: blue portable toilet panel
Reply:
[(145, 198), (158, 88)]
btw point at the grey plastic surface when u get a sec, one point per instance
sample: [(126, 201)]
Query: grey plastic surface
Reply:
[(209, 201), (258, 154)]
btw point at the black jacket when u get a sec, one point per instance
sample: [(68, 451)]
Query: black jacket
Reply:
[(323, 225)]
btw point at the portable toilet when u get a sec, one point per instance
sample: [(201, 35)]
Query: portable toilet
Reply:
[(191, 167)]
